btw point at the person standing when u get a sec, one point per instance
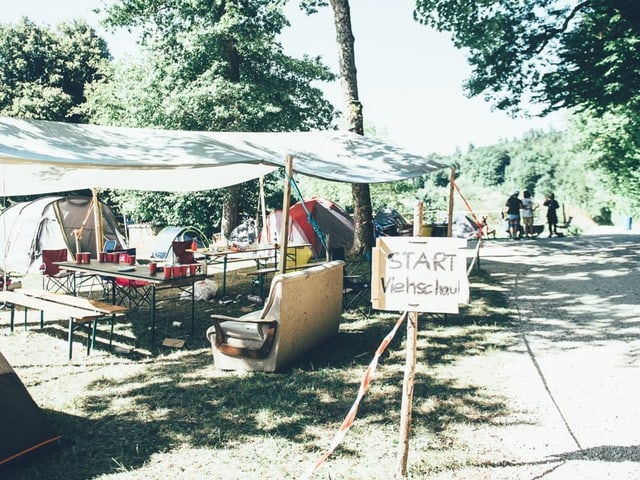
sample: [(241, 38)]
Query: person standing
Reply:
[(514, 205), (552, 213), (528, 207)]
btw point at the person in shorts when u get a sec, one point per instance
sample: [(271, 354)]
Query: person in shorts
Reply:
[(514, 205), (528, 206)]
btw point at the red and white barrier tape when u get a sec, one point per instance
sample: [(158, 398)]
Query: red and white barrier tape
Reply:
[(348, 421)]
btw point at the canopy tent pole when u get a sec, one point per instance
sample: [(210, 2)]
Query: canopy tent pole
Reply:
[(450, 213), (286, 200), (97, 222)]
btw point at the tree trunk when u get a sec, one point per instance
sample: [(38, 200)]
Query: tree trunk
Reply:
[(230, 210), (230, 207), (362, 214)]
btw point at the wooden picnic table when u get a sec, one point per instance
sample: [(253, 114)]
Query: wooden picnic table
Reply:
[(264, 256), (140, 274)]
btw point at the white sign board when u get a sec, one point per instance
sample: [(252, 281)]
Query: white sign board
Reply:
[(419, 274)]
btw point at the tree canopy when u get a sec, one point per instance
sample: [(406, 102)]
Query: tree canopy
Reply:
[(583, 56), (43, 72), (214, 66), (560, 54)]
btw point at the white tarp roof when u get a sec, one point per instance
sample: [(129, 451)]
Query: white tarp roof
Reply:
[(38, 156)]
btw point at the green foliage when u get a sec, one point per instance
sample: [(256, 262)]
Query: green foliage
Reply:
[(560, 54), (579, 55), (487, 165), (610, 145), (213, 66), (43, 72)]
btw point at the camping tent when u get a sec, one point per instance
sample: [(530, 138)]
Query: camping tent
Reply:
[(24, 426), (329, 217), (27, 228), (162, 246)]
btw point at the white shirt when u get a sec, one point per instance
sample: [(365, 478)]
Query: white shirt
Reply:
[(527, 207)]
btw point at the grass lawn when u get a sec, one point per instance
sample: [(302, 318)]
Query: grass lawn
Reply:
[(157, 413)]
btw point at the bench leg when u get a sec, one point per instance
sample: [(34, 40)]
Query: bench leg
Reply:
[(71, 327), (92, 337), (12, 317), (113, 320), (41, 319)]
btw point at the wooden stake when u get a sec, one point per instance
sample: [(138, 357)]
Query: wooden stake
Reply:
[(451, 187), (97, 222), (409, 370)]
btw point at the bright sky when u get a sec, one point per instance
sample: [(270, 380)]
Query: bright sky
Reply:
[(409, 77)]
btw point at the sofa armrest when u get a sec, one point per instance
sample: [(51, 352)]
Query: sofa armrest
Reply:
[(250, 317), (220, 338)]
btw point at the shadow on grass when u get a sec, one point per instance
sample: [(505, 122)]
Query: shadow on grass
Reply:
[(181, 400)]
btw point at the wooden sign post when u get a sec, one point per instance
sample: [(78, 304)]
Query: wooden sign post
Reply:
[(417, 274)]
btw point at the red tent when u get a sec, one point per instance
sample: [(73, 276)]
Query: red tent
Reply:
[(330, 219)]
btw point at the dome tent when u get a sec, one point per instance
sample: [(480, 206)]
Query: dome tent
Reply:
[(330, 218), (162, 249), (49, 223)]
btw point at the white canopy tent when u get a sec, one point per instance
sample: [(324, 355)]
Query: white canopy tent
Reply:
[(38, 156)]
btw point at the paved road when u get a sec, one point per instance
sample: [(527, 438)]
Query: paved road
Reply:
[(572, 373)]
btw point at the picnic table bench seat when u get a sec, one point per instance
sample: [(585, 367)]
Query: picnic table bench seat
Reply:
[(80, 311), (303, 310)]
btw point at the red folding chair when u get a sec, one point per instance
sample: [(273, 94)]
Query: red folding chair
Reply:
[(134, 294), (179, 251), (54, 279)]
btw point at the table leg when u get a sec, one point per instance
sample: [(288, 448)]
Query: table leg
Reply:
[(153, 315), (224, 276), (193, 306)]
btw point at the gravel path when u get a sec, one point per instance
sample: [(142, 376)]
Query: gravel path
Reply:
[(571, 376)]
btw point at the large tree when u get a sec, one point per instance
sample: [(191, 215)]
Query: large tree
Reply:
[(558, 54), (213, 65), (44, 72), (362, 214)]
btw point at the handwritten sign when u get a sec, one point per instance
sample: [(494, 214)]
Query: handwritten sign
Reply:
[(419, 274)]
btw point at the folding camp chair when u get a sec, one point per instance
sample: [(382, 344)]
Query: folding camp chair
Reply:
[(134, 294), (54, 279), (354, 282)]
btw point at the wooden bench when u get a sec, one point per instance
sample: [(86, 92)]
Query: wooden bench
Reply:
[(78, 310), (302, 311)]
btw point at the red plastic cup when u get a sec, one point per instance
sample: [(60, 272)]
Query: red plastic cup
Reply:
[(132, 259), (124, 258), (192, 269), (79, 257), (111, 257), (166, 272), (86, 257), (153, 266), (177, 270), (103, 257)]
